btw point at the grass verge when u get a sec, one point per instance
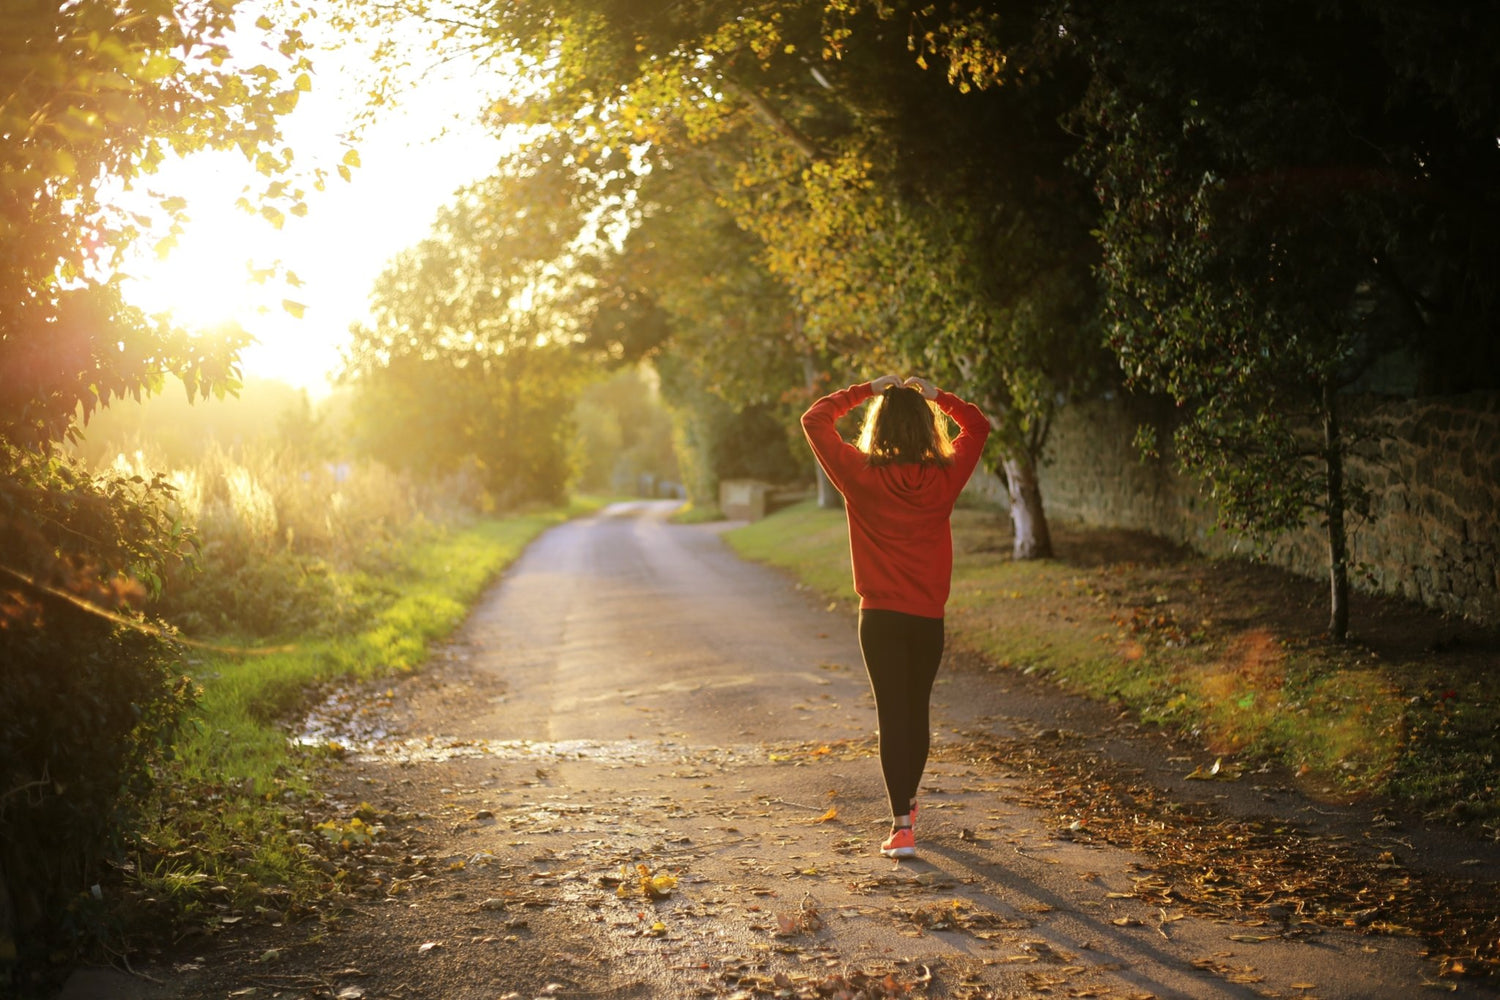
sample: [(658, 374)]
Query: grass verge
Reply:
[(1227, 652), (236, 831)]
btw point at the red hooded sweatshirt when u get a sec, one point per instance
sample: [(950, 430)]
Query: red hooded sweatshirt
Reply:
[(899, 541)]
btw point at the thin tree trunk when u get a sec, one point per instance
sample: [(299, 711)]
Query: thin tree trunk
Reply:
[(828, 497), (1033, 540), (1338, 540)]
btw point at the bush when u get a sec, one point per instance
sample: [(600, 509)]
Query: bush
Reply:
[(89, 706)]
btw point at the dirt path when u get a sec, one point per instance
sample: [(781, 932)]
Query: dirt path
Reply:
[(635, 713)]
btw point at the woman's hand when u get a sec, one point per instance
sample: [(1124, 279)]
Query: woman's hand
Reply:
[(926, 388), (884, 382)]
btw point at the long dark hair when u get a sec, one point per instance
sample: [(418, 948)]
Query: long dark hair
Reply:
[(902, 428)]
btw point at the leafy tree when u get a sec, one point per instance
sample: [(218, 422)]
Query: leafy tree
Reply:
[(94, 95), (726, 337), (1284, 204), (469, 359), (912, 219), (625, 434)]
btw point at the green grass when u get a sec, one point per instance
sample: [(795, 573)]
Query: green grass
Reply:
[(691, 513), (231, 812), (811, 544), (1138, 634)]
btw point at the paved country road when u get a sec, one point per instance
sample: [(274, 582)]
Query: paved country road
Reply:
[(645, 768)]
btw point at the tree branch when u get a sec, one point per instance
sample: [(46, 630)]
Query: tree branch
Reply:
[(774, 118)]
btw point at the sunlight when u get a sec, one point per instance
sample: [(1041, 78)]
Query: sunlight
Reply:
[(413, 158), (206, 278)]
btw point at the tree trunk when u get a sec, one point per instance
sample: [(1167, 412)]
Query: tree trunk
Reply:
[(1033, 540), (1338, 540), (828, 497)]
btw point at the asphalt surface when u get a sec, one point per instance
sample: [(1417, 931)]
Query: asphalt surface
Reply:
[(632, 700)]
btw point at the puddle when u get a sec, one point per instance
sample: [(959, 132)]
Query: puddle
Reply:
[(622, 753), (374, 745), (356, 723)]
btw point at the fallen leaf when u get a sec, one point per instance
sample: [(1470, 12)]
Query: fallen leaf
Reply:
[(831, 814), (429, 946)]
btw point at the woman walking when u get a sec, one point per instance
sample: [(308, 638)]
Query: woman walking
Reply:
[(899, 486)]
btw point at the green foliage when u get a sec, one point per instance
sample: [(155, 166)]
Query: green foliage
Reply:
[(717, 441), (278, 539), (808, 198), (468, 363), (1277, 197), (93, 93), (624, 434)]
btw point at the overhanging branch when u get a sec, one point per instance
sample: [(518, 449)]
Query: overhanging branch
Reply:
[(774, 118)]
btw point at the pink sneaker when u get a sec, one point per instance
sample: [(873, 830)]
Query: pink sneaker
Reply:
[(902, 843)]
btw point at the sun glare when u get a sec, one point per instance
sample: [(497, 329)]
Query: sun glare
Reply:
[(206, 279), (413, 159)]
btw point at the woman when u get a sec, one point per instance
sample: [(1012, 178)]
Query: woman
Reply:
[(899, 486)]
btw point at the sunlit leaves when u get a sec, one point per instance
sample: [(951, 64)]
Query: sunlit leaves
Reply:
[(97, 93)]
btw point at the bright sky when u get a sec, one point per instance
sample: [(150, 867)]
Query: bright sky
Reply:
[(413, 159)]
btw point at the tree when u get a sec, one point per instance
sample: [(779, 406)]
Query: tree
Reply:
[(94, 95), (914, 219), (471, 357), (625, 434), (726, 337), (1284, 204)]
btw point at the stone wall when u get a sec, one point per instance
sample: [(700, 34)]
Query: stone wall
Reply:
[(1432, 467)]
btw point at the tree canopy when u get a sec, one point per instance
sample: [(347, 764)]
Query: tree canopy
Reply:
[(1287, 197), (1004, 194)]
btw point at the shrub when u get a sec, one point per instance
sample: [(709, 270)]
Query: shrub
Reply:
[(89, 706)]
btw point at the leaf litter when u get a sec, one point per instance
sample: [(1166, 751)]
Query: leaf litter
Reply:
[(1271, 873)]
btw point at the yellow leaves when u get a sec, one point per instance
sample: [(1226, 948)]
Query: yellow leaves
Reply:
[(350, 161), (158, 67), (293, 308), (355, 833), (645, 883), (828, 817), (303, 82)]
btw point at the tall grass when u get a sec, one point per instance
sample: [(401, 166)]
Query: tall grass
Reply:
[(287, 544)]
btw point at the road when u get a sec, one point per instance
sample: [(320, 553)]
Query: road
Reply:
[(633, 711)]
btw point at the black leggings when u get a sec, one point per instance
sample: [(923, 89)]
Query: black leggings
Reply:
[(901, 654)]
